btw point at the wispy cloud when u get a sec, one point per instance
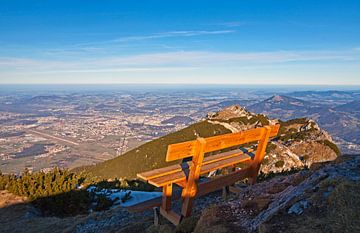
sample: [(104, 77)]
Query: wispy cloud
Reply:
[(200, 58), (174, 34), (175, 60), (17, 62), (159, 35), (115, 70)]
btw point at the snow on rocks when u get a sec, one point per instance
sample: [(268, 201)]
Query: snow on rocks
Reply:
[(124, 197)]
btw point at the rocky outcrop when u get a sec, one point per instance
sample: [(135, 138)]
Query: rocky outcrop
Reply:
[(324, 198), (236, 118), (230, 112), (301, 142)]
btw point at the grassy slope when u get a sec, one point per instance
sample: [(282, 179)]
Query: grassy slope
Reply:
[(151, 155)]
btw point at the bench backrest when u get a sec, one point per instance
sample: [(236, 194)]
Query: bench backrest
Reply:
[(190, 148)]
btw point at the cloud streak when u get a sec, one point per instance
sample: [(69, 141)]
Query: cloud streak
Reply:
[(175, 61), (159, 36), (221, 58)]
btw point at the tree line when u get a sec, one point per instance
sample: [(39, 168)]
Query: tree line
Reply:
[(63, 193)]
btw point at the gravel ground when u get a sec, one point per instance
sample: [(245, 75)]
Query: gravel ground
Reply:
[(119, 217)]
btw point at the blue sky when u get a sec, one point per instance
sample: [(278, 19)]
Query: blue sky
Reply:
[(240, 42)]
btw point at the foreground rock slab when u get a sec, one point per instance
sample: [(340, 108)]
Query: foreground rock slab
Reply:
[(324, 198)]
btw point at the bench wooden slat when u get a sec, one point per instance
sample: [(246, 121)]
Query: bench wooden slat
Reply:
[(224, 163), (225, 155), (186, 149), (171, 178), (274, 130), (161, 171), (180, 150), (229, 140), (178, 167), (181, 175), (222, 181)]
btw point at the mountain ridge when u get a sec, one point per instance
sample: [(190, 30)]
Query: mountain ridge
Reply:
[(301, 133), (342, 121)]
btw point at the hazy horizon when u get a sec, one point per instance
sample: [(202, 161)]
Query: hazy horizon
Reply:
[(182, 86)]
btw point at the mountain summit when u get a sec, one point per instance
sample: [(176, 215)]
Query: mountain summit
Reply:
[(283, 107), (277, 98), (229, 112), (279, 101)]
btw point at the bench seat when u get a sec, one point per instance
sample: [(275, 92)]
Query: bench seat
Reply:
[(178, 173)]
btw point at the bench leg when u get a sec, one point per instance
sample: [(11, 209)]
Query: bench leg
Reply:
[(187, 206), (226, 189), (254, 173), (260, 153), (166, 198), (170, 215), (165, 209), (225, 192), (252, 180), (156, 216)]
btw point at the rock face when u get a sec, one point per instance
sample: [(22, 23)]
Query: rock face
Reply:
[(235, 118), (301, 142), (323, 199)]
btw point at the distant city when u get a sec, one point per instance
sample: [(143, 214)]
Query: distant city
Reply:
[(69, 126)]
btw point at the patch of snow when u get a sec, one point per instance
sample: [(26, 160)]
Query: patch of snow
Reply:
[(135, 197), (116, 195)]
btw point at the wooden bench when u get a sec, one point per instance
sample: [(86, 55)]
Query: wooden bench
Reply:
[(187, 174)]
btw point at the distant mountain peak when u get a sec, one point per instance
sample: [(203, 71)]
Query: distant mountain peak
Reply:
[(282, 99), (282, 106), (277, 98)]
